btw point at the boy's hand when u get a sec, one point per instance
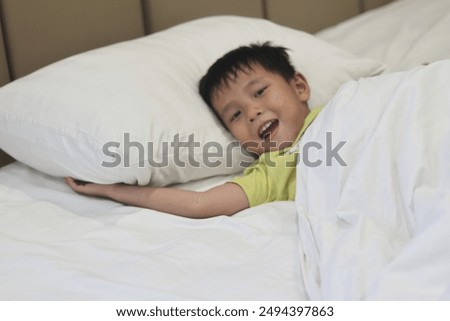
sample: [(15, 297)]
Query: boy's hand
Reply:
[(91, 189)]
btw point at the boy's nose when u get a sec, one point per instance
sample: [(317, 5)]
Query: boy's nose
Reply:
[(255, 115), (254, 112)]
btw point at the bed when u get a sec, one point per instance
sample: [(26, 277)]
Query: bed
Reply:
[(74, 88)]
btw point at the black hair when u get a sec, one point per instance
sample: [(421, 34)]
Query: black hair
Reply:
[(272, 58)]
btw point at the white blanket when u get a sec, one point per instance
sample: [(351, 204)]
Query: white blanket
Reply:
[(379, 227)]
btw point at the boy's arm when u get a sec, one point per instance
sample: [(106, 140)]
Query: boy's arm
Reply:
[(225, 199)]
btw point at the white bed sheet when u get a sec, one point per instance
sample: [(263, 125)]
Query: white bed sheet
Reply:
[(57, 245), (402, 34)]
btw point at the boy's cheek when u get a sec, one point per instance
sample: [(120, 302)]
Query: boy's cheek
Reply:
[(275, 97)]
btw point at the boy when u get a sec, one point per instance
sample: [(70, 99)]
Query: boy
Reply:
[(262, 101)]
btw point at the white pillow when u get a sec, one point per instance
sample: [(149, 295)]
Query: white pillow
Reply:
[(74, 116)]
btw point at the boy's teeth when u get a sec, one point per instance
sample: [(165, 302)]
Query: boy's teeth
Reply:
[(265, 127)]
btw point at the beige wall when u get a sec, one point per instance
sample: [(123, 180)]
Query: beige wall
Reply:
[(311, 16), (4, 72), (372, 4), (162, 14), (42, 31)]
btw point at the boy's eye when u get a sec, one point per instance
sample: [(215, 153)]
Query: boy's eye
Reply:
[(260, 92), (235, 115)]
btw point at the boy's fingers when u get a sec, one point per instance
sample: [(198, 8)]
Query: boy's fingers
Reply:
[(75, 182), (69, 181)]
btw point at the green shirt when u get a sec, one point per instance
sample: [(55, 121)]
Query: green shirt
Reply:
[(272, 176)]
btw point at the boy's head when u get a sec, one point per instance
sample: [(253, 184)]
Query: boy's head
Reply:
[(259, 97)]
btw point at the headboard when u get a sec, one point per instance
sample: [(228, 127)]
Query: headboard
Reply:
[(35, 33)]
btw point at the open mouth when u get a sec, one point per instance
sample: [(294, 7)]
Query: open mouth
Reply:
[(266, 130)]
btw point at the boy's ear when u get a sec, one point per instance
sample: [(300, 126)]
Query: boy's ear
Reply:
[(301, 87)]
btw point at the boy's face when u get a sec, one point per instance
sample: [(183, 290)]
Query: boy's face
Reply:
[(263, 110)]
